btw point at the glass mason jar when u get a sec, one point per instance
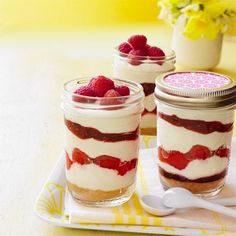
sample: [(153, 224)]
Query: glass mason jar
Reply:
[(144, 71), (101, 143), (195, 126), (199, 54)]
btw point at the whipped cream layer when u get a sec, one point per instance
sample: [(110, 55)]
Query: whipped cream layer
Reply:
[(148, 120), (176, 138), (149, 103), (124, 150), (198, 168), (143, 73), (180, 139), (93, 177), (106, 121)]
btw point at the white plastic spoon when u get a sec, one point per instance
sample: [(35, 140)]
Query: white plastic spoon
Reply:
[(181, 198), (154, 204)]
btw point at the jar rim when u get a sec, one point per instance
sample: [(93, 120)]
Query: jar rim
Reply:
[(96, 102), (170, 55)]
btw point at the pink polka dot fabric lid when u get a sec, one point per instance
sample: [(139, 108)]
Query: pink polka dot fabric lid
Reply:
[(197, 80), (202, 88)]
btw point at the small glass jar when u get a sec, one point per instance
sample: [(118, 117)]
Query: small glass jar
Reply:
[(195, 126), (101, 144), (144, 71)]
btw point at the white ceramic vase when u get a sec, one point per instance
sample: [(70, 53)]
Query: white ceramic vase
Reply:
[(200, 54)]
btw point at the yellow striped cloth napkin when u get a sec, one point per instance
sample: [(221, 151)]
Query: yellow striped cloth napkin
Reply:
[(131, 213)]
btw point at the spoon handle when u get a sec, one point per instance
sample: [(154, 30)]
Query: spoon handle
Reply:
[(215, 207), (231, 201)]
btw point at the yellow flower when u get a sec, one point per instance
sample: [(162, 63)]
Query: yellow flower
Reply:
[(180, 3), (200, 25), (190, 10), (215, 8)]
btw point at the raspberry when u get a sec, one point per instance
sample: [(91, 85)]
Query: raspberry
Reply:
[(137, 41), (107, 162), (111, 98), (126, 166), (136, 57), (223, 152), (85, 91), (124, 48), (173, 158), (100, 85), (156, 53), (80, 157), (198, 152), (146, 47), (123, 90), (112, 93)]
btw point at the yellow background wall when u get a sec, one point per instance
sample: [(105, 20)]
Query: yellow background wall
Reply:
[(74, 15), (31, 15)]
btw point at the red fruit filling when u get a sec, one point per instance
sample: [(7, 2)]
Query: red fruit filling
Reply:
[(138, 41), (199, 180), (199, 126), (80, 157), (68, 161), (104, 161), (173, 158), (180, 160), (148, 88), (84, 132)]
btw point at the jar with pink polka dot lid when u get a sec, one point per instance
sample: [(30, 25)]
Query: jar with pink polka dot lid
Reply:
[(195, 125)]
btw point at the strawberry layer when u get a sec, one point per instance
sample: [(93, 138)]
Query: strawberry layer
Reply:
[(198, 180), (199, 126), (198, 168), (181, 160), (172, 137), (103, 161), (148, 88), (124, 150), (83, 132)]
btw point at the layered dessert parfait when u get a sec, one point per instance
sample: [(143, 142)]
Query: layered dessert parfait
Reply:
[(195, 121), (102, 119), (138, 61)]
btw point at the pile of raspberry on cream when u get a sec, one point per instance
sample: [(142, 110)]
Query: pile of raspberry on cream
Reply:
[(102, 86), (137, 49)]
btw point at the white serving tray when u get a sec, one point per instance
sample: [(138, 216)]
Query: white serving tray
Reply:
[(49, 206)]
